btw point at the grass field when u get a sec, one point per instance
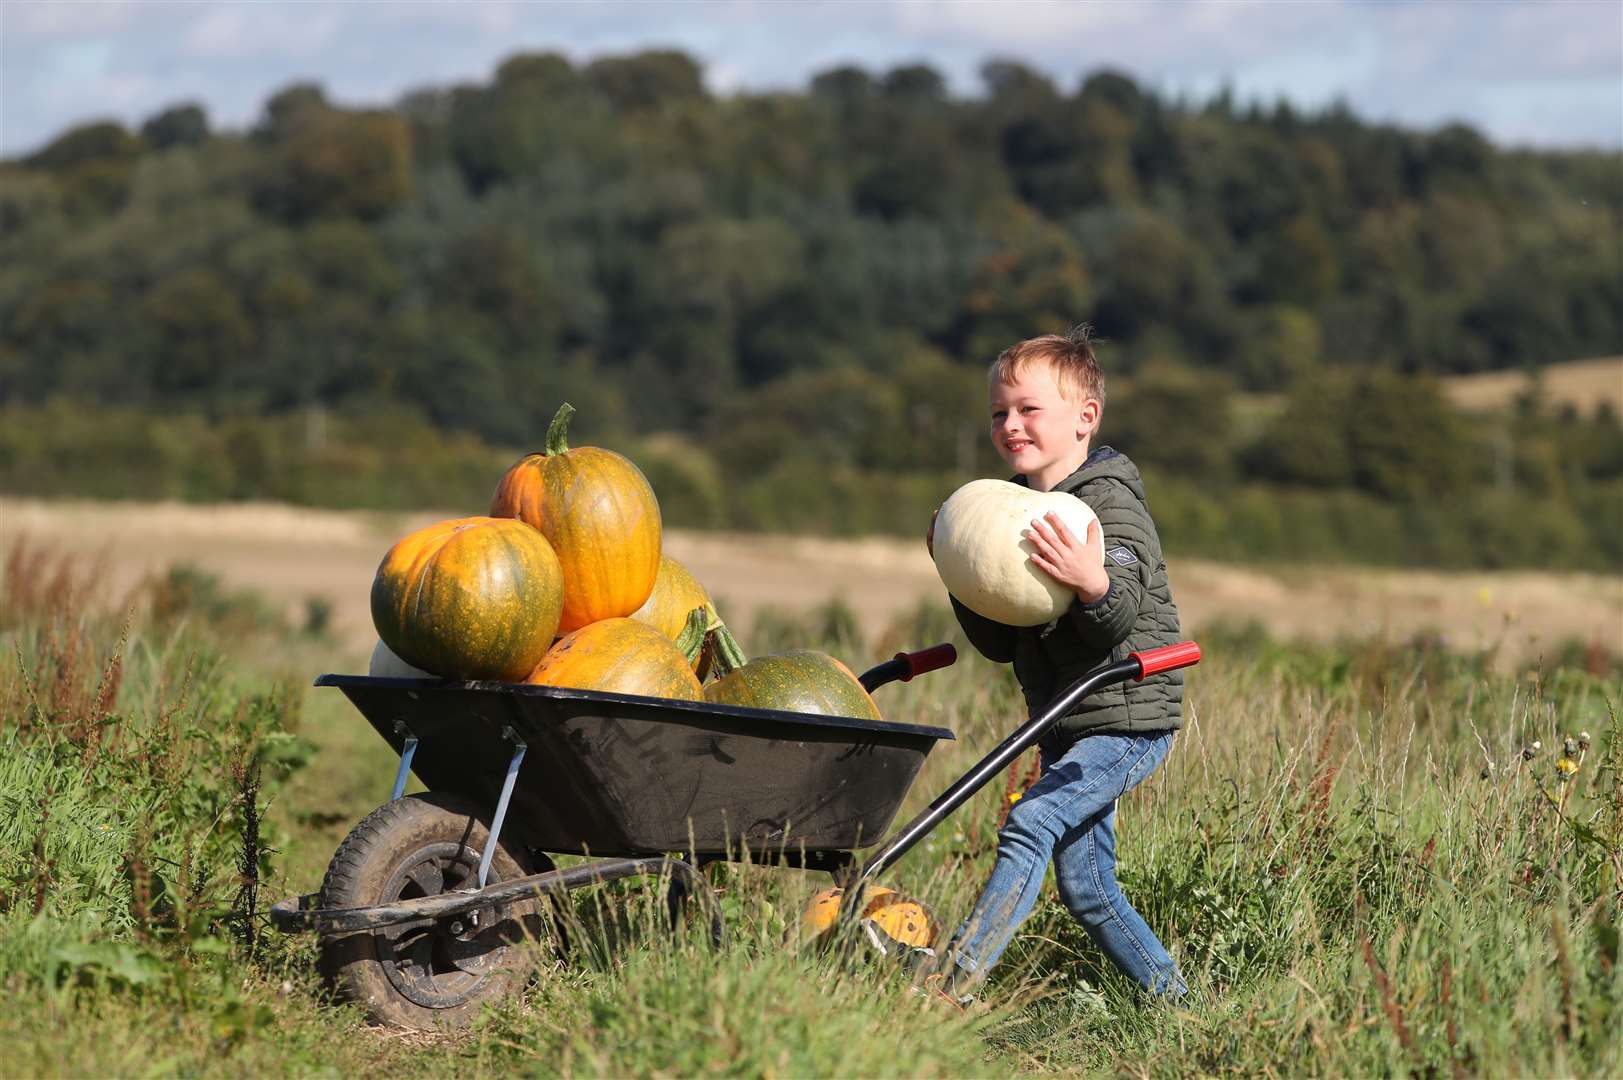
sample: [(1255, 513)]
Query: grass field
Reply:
[(1372, 852)]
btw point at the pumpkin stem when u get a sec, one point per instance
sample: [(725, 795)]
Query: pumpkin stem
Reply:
[(558, 430), (690, 642), (728, 654)]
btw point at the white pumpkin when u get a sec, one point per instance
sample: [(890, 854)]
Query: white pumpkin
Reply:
[(386, 665), (984, 558)]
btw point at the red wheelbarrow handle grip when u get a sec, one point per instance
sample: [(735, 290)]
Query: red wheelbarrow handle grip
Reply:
[(936, 656), (903, 666), (1166, 658)]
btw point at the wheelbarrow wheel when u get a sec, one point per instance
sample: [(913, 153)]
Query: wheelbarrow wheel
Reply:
[(431, 974)]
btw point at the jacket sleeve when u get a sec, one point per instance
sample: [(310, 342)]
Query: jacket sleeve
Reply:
[(1124, 522), (993, 640)]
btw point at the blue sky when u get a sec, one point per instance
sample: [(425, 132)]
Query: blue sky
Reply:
[(1526, 73)]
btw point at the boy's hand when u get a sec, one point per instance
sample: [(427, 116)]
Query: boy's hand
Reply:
[(1078, 564)]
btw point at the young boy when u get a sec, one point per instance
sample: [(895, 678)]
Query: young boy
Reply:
[(1046, 397)]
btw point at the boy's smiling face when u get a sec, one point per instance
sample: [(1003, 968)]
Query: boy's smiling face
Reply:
[(1036, 430)]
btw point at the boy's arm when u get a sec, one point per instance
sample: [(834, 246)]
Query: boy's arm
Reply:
[(1124, 523), (994, 640)]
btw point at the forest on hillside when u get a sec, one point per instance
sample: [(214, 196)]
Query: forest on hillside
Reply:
[(783, 304)]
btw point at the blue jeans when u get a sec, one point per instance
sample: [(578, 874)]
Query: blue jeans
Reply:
[(1069, 816)]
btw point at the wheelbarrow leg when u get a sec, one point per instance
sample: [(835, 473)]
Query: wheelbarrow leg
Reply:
[(686, 881), (406, 753), (519, 746)]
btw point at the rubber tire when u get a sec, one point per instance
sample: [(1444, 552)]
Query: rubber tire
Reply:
[(360, 869)]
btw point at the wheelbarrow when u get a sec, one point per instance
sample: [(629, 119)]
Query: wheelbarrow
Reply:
[(424, 901)]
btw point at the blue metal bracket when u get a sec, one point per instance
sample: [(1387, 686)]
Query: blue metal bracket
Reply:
[(406, 752), (519, 747)]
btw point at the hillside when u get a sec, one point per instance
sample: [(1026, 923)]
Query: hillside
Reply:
[(782, 305), (651, 249)]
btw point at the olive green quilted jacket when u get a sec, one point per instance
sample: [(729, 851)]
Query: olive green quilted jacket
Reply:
[(1136, 614)]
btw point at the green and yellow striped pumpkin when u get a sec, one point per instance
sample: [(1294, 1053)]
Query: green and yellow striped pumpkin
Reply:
[(469, 598), (800, 680)]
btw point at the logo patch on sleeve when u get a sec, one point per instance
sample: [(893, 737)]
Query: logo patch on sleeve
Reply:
[(1121, 556)]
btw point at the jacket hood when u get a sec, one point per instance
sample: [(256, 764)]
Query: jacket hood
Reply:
[(1105, 462)]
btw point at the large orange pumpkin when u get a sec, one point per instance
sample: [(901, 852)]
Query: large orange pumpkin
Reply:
[(676, 593), (470, 598), (800, 681), (600, 515), (623, 656)]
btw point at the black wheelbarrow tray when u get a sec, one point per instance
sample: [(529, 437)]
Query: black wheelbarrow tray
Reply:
[(423, 897)]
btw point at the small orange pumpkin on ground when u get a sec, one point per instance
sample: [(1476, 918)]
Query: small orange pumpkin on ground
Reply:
[(902, 917), (469, 598), (596, 509), (624, 656)]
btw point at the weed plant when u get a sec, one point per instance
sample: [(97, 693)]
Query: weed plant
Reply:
[(1374, 858)]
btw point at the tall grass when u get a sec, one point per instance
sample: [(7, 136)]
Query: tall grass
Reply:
[(132, 773), (1373, 858)]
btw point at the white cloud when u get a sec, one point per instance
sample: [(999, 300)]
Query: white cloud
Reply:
[(1551, 71), (56, 20), (238, 30), (1016, 24)]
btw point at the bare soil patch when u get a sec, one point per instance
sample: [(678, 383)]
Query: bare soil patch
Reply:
[(1583, 384), (290, 554)]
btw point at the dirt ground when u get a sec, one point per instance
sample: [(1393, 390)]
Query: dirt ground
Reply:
[(1583, 384), (290, 554)]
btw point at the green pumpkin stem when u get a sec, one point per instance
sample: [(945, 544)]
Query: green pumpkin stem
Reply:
[(690, 642), (727, 653), (558, 431)]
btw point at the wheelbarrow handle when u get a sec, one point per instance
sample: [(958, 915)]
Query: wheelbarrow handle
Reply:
[(1166, 658), (905, 666), (1136, 665)]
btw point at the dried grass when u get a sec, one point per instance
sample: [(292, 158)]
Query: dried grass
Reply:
[(1584, 384), (289, 554)]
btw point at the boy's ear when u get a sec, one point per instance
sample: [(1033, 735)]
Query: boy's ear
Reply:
[(1090, 414)]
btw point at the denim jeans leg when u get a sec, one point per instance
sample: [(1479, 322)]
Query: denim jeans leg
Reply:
[(1085, 871), (1083, 783)]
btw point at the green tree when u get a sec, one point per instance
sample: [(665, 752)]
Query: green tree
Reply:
[(93, 163), (1174, 419), (290, 108), (1146, 276), (178, 125), (199, 333), (1298, 264), (1385, 434), (493, 271), (1032, 281), (87, 143), (840, 417), (647, 80), (327, 162), (1281, 345), (540, 116)]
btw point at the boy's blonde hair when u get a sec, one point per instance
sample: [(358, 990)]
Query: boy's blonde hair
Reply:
[(1069, 356)]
